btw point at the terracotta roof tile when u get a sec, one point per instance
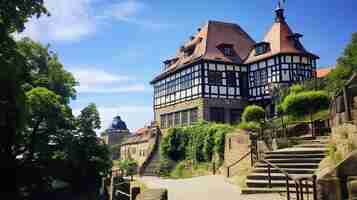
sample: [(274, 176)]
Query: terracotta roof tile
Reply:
[(205, 44), (280, 42), (322, 72)]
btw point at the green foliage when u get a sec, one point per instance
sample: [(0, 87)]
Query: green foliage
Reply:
[(346, 65), (295, 89), (129, 166), (199, 142), (14, 15), (249, 126), (173, 144), (305, 103), (253, 113)]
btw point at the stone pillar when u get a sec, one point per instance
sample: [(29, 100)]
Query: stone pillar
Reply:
[(329, 189)]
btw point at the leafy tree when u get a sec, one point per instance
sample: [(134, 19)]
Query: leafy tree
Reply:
[(90, 157), (253, 113), (346, 65), (13, 15), (306, 103)]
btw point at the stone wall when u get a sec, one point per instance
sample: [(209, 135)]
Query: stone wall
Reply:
[(203, 105), (186, 105)]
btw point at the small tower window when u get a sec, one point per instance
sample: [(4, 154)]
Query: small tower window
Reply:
[(262, 48)]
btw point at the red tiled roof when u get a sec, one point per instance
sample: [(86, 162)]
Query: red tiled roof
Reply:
[(322, 72), (280, 42), (205, 44), (141, 131)]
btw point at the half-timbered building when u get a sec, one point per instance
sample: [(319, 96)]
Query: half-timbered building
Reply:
[(221, 69)]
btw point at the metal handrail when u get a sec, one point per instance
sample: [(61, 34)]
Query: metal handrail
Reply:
[(236, 162), (297, 181), (288, 177)]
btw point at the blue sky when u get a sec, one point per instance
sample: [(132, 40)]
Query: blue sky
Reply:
[(115, 47)]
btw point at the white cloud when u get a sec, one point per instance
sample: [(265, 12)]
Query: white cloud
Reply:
[(70, 20), (134, 116), (125, 10), (90, 76), (93, 80)]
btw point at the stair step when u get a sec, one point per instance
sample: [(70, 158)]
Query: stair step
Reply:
[(316, 155), (288, 170), (294, 160), (274, 176), (274, 183), (291, 165), (299, 150), (312, 145), (258, 190)]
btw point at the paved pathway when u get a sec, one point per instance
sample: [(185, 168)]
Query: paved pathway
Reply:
[(204, 188)]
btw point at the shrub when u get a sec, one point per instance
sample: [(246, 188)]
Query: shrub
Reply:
[(129, 166), (173, 144), (306, 103), (253, 113), (249, 126)]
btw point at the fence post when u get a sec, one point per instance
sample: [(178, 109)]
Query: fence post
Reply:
[(297, 190), (301, 189), (135, 191), (287, 188), (227, 172), (269, 176), (214, 168), (314, 187)]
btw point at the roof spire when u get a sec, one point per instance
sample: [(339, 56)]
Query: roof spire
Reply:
[(280, 11)]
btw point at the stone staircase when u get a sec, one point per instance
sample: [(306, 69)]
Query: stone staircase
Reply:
[(300, 160), (153, 166)]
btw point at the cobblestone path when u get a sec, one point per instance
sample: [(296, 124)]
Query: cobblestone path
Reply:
[(204, 188)]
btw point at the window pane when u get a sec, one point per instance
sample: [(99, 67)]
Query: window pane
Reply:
[(214, 78), (231, 79), (193, 115), (184, 117)]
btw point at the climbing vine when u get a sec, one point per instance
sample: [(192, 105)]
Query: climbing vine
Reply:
[(201, 142)]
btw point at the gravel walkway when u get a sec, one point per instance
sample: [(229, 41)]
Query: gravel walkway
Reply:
[(204, 188)]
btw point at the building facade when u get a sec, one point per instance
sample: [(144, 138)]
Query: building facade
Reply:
[(221, 69)]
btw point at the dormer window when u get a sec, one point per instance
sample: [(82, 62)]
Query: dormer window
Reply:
[(262, 48), (189, 51), (226, 49)]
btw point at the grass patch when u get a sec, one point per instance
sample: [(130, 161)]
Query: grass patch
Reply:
[(185, 169)]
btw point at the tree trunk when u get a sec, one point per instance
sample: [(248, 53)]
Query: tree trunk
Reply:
[(8, 133)]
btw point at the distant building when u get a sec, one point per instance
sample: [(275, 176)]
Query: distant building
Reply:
[(221, 69), (115, 135), (140, 145), (323, 71)]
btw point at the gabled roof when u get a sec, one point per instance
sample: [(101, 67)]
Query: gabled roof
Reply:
[(280, 37), (205, 45)]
